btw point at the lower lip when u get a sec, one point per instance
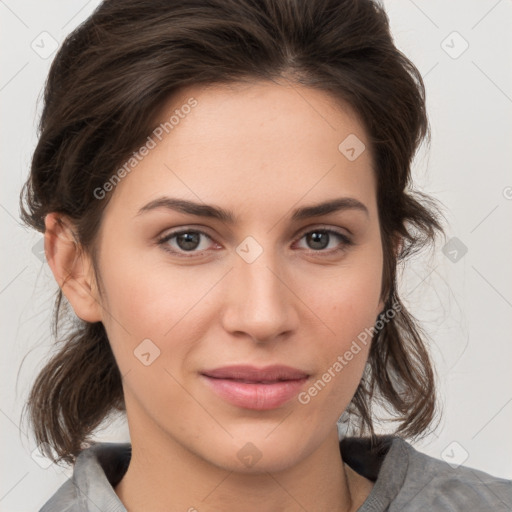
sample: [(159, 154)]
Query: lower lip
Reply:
[(259, 397)]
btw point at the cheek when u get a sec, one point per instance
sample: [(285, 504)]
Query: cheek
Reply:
[(348, 307), (161, 311), (152, 326), (351, 302), (149, 300), (341, 358), (146, 302)]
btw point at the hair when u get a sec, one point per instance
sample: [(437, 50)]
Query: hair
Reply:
[(109, 79)]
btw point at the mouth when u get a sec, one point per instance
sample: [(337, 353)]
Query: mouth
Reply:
[(254, 388)]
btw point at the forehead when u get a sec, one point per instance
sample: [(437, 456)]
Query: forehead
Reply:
[(248, 144)]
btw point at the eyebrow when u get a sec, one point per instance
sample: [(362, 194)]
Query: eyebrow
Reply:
[(227, 216)]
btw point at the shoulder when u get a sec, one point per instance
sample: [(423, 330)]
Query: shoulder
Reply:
[(64, 499), (96, 472), (433, 484)]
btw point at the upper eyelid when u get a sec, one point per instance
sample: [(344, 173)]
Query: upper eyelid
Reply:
[(323, 227), (298, 236), (302, 231)]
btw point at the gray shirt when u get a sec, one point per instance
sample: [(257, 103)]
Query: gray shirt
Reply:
[(406, 480)]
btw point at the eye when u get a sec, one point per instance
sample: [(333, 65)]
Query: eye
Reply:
[(187, 240), (319, 239)]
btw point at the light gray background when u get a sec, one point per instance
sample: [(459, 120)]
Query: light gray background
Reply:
[(466, 306)]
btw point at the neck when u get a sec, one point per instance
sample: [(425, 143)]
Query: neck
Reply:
[(164, 475)]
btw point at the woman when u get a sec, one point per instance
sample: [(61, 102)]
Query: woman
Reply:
[(223, 186)]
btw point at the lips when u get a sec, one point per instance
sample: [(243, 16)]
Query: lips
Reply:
[(255, 388), (256, 375)]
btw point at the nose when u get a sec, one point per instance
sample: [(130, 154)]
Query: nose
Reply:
[(261, 304)]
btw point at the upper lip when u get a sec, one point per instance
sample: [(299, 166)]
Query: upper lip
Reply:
[(251, 373)]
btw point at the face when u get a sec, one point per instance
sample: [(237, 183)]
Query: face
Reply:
[(199, 308)]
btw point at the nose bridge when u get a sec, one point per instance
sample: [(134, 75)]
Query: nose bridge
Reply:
[(260, 303)]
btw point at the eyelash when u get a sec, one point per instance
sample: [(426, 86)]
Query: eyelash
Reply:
[(346, 242)]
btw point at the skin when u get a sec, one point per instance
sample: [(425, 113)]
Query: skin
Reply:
[(259, 150)]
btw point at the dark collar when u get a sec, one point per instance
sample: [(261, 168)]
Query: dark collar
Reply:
[(361, 454)]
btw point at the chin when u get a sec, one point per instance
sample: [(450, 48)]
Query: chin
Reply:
[(261, 452)]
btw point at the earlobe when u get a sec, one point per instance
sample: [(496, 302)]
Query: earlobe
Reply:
[(71, 267)]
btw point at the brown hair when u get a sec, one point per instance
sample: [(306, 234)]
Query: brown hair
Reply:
[(110, 78)]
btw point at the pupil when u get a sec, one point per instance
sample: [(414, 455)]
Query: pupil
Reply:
[(190, 239), (315, 237)]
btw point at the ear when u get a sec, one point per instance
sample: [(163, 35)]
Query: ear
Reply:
[(71, 267)]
